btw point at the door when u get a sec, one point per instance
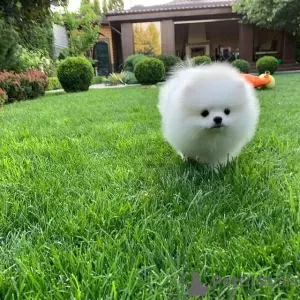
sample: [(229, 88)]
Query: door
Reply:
[(101, 54)]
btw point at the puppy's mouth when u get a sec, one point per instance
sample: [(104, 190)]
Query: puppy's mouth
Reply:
[(217, 126)]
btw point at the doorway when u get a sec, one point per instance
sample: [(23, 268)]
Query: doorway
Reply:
[(101, 54)]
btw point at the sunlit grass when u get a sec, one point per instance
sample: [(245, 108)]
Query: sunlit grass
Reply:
[(95, 205)]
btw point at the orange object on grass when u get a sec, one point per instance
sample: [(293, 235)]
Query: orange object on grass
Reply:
[(256, 81)]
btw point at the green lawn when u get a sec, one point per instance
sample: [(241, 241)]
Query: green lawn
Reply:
[(95, 205)]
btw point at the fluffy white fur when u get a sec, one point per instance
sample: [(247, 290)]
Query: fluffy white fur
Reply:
[(188, 93)]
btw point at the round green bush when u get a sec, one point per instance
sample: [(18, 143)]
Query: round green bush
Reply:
[(132, 60), (149, 71), (267, 63), (54, 84), (169, 61), (242, 65), (200, 60), (129, 78), (75, 74)]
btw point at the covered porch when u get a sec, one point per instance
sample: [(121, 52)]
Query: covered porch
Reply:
[(211, 29), (227, 39)]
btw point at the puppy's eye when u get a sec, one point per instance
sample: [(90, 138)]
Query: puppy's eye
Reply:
[(227, 111), (205, 113)]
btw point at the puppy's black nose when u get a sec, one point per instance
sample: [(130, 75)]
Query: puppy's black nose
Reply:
[(218, 120)]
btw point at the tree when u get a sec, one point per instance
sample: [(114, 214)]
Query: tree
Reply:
[(28, 11), (82, 30), (37, 36), (8, 46), (57, 18), (97, 9), (270, 13), (115, 4), (146, 41), (104, 6), (138, 38), (84, 2), (32, 20), (154, 38)]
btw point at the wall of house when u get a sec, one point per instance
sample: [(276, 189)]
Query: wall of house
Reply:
[(197, 33)]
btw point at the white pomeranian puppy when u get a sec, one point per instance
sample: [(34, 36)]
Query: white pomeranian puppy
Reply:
[(209, 112)]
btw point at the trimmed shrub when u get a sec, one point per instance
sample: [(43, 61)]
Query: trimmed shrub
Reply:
[(38, 82), (14, 86), (23, 86), (75, 74), (132, 60), (8, 44), (149, 71), (267, 63), (3, 97), (98, 80), (129, 78), (242, 65), (54, 84), (124, 77), (200, 60), (169, 61)]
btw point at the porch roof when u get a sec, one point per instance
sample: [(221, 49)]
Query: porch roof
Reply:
[(176, 9), (174, 6)]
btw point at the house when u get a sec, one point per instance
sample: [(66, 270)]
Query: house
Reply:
[(201, 27), (106, 51)]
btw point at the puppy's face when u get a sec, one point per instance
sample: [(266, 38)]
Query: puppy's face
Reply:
[(214, 117), (214, 103)]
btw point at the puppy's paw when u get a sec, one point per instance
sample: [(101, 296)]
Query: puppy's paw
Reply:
[(181, 155), (184, 157), (191, 160)]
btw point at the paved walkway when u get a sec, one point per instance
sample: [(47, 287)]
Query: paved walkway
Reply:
[(98, 86), (103, 86)]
